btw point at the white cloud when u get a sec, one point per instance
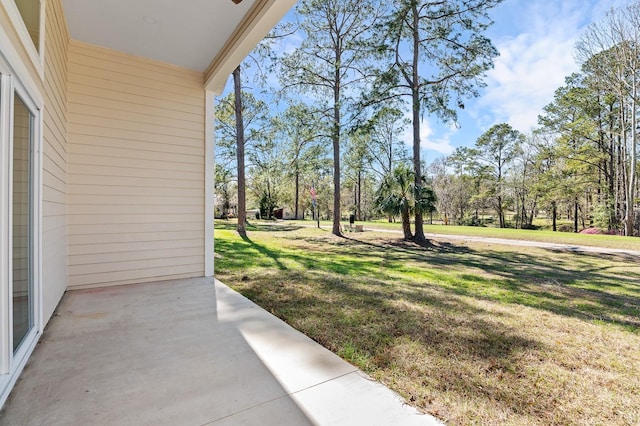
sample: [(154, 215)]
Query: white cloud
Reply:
[(287, 45), (530, 69), (428, 140), (534, 63)]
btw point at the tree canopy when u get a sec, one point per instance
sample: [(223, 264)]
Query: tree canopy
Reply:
[(356, 79)]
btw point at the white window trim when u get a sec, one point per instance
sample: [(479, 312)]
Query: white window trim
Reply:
[(209, 182), (10, 55), (35, 54), (11, 365), (5, 120)]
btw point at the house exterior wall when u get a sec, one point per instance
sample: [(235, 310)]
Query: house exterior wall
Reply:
[(54, 176), (136, 169)]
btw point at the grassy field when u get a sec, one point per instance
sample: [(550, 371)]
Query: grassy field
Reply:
[(607, 241), (469, 334)]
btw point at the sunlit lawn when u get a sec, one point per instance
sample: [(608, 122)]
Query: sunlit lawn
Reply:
[(473, 334)]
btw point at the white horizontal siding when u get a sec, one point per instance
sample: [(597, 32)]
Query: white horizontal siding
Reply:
[(125, 240), (136, 169)]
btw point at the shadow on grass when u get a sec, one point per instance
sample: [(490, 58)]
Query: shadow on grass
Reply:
[(568, 284), (399, 310), (577, 289), (371, 326), (612, 256), (231, 225), (265, 251)]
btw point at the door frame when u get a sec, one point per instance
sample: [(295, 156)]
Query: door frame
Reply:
[(12, 364)]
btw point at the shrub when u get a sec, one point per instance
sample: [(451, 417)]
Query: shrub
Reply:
[(565, 228), (591, 231), (472, 221), (530, 226)]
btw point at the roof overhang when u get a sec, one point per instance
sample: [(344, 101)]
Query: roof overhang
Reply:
[(210, 36)]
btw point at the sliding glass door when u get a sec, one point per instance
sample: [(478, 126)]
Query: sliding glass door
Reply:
[(20, 198), (22, 221)]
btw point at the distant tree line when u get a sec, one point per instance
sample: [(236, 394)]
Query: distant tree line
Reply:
[(365, 73), (580, 163)]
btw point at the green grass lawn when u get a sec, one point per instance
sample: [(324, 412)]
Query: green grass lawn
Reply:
[(606, 241), (473, 334)]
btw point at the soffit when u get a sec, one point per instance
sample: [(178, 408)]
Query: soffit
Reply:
[(187, 33)]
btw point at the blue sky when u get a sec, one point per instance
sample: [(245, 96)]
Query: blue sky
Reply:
[(536, 40)]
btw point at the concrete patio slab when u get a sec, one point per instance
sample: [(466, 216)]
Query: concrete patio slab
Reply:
[(189, 352)]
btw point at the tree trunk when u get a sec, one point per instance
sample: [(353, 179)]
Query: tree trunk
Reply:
[(532, 215), (500, 212), (335, 136), (242, 203), (415, 92), (297, 196), (575, 215), (359, 205), (612, 169), (620, 173), (406, 225), (355, 198), (390, 154), (554, 215), (629, 214)]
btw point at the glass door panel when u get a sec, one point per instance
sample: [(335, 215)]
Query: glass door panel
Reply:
[(22, 222)]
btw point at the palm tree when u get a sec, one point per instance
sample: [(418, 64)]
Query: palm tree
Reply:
[(426, 200), (395, 196), (398, 195)]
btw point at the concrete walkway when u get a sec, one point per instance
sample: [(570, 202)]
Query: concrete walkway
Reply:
[(189, 352)]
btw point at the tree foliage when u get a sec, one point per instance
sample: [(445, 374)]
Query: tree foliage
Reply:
[(359, 78), (330, 65), (436, 56), (496, 149), (610, 53)]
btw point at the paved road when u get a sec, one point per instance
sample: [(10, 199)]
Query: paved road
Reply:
[(521, 243), (539, 244)]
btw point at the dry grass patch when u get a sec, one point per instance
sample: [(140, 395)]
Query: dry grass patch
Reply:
[(472, 334)]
